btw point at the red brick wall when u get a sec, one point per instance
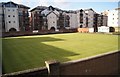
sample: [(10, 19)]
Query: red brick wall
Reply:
[(83, 30)]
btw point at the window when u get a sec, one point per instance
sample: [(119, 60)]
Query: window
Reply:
[(53, 22), (13, 15), (26, 12), (8, 9), (13, 10), (113, 18), (8, 15), (13, 21), (9, 21), (113, 14), (20, 13)]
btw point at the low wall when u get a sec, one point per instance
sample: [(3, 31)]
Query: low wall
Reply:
[(106, 64), (102, 64), (83, 30), (31, 72), (117, 29), (41, 32)]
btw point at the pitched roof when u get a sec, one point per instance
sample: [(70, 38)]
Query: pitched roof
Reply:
[(23, 6), (45, 7), (52, 12), (10, 2), (45, 12), (88, 9), (19, 5), (39, 8), (5, 3)]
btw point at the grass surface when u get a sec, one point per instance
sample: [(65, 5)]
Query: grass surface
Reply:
[(26, 52)]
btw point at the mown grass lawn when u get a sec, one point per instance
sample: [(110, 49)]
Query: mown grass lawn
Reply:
[(27, 52)]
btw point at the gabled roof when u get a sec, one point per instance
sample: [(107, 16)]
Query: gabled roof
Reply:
[(71, 11), (51, 8), (45, 12), (10, 2), (23, 6), (57, 9), (54, 8), (52, 12), (81, 10), (39, 8), (45, 7), (89, 9)]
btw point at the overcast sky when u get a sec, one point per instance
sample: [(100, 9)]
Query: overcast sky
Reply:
[(97, 5)]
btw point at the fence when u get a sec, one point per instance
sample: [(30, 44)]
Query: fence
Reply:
[(103, 64)]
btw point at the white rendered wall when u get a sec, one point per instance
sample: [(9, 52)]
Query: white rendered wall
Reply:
[(91, 30), (73, 20), (113, 18), (103, 29), (1, 10), (52, 21), (14, 20), (90, 19)]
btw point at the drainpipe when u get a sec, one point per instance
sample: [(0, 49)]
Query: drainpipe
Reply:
[(64, 20)]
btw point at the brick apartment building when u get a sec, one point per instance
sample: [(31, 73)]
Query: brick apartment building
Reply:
[(83, 18), (23, 17), (15, 17), (47, 18)]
